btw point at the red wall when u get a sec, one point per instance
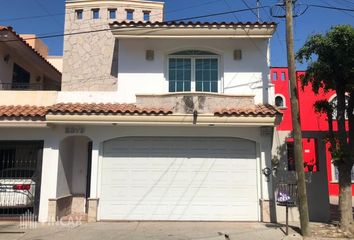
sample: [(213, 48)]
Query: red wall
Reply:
[(310, 121)]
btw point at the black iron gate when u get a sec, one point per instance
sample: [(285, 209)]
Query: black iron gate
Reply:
[(20, 177)]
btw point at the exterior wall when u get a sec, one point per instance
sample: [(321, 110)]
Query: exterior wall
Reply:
[(57, 62), (53, 136), (36, 43), (90, 60), (248, 76), (317, 126), (6, 68)]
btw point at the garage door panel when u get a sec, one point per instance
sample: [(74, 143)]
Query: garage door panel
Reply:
[(150, 179)]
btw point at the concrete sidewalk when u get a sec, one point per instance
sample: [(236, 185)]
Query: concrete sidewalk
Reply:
[(148, 231)]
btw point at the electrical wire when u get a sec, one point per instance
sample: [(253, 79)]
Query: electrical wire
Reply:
[(108, 29)]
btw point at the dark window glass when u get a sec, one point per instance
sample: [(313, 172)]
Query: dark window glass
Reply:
[(20, 78), (146, 16), (95, 13), (180, 74), (79, 14), (290, 154), (279, 101), (130, 14), (206, 74), (112, 13)]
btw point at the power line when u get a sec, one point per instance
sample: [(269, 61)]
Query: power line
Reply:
[(88, 10), (108, 29), (328, 7)]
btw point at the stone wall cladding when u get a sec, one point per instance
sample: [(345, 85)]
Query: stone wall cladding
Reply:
[(187, 103), (90, 60)]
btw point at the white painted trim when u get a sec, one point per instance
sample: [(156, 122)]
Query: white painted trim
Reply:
[(284, 100), (259, 180), (179, 120), (99, 179), (125, 36), (193, 72)]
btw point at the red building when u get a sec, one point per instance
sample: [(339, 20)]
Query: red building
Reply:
[(314, 126)]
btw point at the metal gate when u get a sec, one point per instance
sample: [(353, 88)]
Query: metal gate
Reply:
[(20, 177)]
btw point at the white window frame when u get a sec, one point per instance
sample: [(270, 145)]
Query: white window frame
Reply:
[(284, 101), (193, 80), (330, 100), (333, 172)]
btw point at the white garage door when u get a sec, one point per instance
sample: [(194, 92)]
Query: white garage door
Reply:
[(210, 179)]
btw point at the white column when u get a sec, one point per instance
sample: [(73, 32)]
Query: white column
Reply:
[(94, 170), (49, 176)]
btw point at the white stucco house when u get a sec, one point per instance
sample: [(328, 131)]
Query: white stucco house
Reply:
[(155, 121)]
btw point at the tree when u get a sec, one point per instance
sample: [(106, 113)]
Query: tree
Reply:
[(330, 60)]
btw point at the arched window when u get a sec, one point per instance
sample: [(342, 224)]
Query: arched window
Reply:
[(193, 70), (334, 102), (279, 101)]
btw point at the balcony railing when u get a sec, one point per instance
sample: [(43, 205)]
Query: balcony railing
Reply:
[(30, 86)]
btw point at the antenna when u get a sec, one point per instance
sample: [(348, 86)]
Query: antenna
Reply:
[(258, 13)]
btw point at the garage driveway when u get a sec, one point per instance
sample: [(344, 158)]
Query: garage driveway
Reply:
[(148, 231)]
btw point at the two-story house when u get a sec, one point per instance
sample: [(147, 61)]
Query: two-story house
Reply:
[(156, 120)]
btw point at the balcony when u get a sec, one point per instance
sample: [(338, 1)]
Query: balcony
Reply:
[(188, 102)]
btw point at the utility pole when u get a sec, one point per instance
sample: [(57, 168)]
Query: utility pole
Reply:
[(299, 163), (258, 13)]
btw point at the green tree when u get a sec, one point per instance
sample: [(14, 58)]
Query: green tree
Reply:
[(330, 59)]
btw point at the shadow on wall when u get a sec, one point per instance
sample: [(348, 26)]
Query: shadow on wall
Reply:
[(316, 182), (114, 66)]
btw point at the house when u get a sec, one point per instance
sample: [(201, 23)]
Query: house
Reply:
[(24, 64), (317, 158), (155, 121)]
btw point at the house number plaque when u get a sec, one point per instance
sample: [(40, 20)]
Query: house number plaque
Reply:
[(74, 130)]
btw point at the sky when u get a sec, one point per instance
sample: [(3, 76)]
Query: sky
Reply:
[(27, 16)]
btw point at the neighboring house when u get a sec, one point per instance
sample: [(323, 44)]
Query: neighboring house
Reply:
[(317, 158), (24, 64), (155, 121)]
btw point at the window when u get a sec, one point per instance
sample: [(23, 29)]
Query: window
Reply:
[(95, 13), (283, 76), (146, 15), (279, 101), (193, 70), (275, 76), (79, 14), (290, 154), (112, 13), (334, 101), (335, 177), (130, 14), (20, 78)]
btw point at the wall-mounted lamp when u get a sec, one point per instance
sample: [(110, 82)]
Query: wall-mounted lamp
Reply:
[(7, 58), (237, 54), (150, 55)]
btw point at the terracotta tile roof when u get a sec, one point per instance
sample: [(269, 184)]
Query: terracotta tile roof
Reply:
[(10, 29), (256, 111), (22, 111), (189, 24), (93, 108)]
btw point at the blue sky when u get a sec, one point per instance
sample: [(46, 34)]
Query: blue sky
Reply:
[(21, 14)]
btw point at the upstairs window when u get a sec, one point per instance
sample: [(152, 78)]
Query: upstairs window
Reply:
[(279, 102), (130, 14), (146, 16), (20, 78), (79, 14), (275, 76), (95, 13), (112, 13), (283, 76), (334, 102), (193, 70)]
